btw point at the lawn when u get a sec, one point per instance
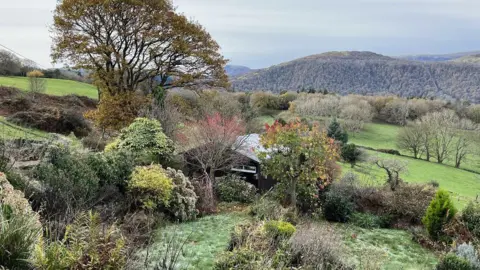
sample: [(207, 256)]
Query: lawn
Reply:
[(54, 86), (12, 131), (385, 248), (463, 185), (204, 239)]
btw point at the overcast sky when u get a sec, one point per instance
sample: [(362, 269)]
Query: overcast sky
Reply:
[(260, 33)]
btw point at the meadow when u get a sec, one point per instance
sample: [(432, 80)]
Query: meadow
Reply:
[(55, 87), (12, 131)]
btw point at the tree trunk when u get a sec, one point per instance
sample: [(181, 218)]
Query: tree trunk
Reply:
[(293, 194)]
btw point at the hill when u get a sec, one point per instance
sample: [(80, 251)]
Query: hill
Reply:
[(469, 59), (367, 73), (437, 57), (55, 87), (233, 70)]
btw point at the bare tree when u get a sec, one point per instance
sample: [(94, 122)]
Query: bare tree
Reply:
[(442, 127), (465, 137), (396, 112), (393, 168), (9, 64), (411, 138)]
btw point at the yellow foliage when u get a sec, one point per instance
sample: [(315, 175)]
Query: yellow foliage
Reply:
[(151, 186), (117, 111), (35, 74)]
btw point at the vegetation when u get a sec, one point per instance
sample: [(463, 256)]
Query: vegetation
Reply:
[(439, 212), (151, 186), (235, 189)]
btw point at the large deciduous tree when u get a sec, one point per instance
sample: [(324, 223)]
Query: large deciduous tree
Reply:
[(127, 42), (296, 154), (412, 138)]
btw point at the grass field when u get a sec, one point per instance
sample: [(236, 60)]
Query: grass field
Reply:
[(11, 131), (385, 249), (54, 86), (205, 239)]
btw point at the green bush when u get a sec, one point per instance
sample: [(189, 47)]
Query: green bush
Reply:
[(151, 186), (369, 221), (183, 200), (351, 153), (144, 138), (471, 218), (337, 207), (234, 189), (279, 229), (440, 211), (87, 245), (241, 259), (453, 262), (112, 168), (266, 208), (68, 182)]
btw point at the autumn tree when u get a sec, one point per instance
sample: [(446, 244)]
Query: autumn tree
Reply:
[(211, 145), (296, 154), (36, 82), (129, 42)]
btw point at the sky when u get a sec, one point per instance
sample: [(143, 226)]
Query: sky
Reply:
[(261, 33)]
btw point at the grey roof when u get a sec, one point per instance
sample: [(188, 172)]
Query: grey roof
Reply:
[(249, 146)]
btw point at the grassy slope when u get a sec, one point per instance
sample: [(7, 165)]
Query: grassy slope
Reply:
[(207, 237), (385, 248), (9, 132), (54, 86)]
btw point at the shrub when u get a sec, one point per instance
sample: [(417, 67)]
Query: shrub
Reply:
[(234, 189), (337, 207), (151, 186), (145, 138), (86, 245), (451, 261), (183, 200), (370, 221), (279, 229), (336, 132), (351, 153), (266, 208), (20, 228), (112, 168), (468, 252), (389, 151), (471, 218), (68, 182), (238, 259), (440, 211), (315, 246)]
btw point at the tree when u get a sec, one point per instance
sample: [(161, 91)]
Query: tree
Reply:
[(441, 128), (440, 211), (211, 145), (351, 154), (336, 132), (297, 154), (393, 168), (465, 137), (126, 42), (411, 138), (9, 64), (36, 82)]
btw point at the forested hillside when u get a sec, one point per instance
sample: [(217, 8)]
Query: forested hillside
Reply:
[(367, 73)]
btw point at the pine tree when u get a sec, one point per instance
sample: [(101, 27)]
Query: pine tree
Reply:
[(336, 132)]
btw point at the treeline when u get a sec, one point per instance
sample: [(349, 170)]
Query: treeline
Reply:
[(367, 73), (11, 65)]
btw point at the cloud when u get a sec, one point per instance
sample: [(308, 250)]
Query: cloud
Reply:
[(260, 33)]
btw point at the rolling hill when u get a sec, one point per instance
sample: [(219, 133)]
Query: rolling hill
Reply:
[(438, 57), (367, 73), (55, 87), (233, 70)]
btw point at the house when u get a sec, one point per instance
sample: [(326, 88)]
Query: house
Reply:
[(249, 146)]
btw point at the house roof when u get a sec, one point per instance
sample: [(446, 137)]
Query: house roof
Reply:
[(249, 145)]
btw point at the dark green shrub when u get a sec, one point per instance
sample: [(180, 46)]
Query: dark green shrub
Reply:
[(337, 207), (68, 182), (453, 262), (266, 208), (370, 221), (471, 218), (440, 211), (279, 229), (351, 153), (389, 151), (336, 132), (242, 259), (112, 168), (234, 189)]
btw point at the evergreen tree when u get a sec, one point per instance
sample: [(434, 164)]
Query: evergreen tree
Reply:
[(336, 132)]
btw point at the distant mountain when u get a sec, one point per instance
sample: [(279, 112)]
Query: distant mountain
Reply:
[(469, 59), (438, 57), (234, 71), (367, 73)]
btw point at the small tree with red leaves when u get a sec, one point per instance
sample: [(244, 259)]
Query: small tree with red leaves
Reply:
[(297, 153), (210, 145)]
